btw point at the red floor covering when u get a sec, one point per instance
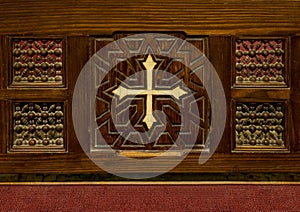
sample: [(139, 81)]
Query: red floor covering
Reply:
[(150, 197)]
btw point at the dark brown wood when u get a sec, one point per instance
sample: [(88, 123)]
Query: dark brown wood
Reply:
[(262, 93), (220, 51), (78, 52), (193, 17), (295, 96), (79, 22), (117, 75), (76, 163)]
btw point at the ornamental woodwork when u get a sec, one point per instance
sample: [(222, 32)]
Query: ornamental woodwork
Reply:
[(263, 117), (260, 62), (37, 61), (254, 47), (38, 126), (138, 105), (260, 126)]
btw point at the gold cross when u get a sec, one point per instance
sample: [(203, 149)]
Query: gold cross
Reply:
[(149, 119)]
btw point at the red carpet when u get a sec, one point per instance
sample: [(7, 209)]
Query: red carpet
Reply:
[(150, 197)]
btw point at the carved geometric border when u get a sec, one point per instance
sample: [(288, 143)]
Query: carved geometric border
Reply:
[(260, 126), (203, 41), (37, 126), (36, 61)]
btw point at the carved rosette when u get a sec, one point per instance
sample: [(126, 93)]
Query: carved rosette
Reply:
[(38, 125), (260, 61), (36, 61), (260, 125)]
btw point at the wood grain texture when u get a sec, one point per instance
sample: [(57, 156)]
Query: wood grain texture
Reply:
[(192, 16), (77, 20), (219, 48), (261, 93), (78, 163), (295, 97)]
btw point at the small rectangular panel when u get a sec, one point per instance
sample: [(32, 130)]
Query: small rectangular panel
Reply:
[(260, 62), (260, 126), (37, 126), (36, 62)]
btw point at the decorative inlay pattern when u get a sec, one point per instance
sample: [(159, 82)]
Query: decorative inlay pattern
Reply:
[(142, 105), (37, 61), (260, 61), (138, 111), (260, 124), (38, 125)]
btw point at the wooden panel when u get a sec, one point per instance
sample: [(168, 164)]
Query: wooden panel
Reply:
[(260, 62), (261, 126), (218, 24), (295, 82), (36, 61), (37, 126), (193, 17), (75, 161), (77, 55), (260, 78), (262, 93), (139, 104), (220, 48), (3, 126)]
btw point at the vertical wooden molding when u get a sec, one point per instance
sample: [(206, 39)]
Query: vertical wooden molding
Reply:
[(220, 48), (295, 87)]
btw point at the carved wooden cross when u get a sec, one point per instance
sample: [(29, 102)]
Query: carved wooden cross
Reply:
[(149, 119)]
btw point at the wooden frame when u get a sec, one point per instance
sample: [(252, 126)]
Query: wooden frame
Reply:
[(221, 22)]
